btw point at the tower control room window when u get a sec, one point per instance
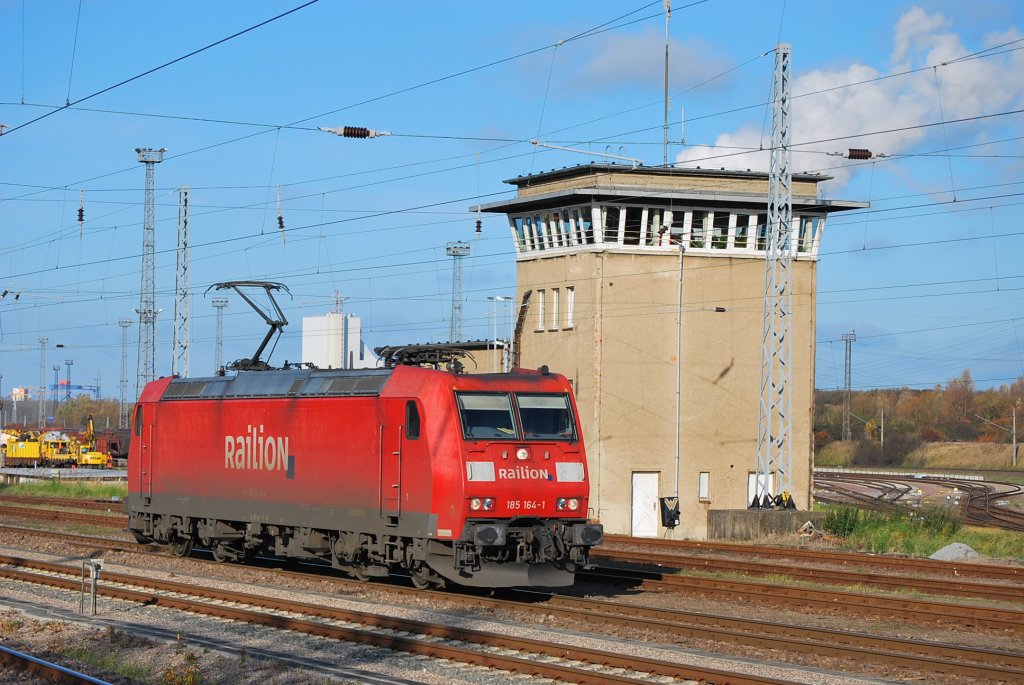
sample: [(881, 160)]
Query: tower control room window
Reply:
[(586, 224), (742, 230), (720, 234), (611, 216), (634, 221), (762, 231), (699, 228)]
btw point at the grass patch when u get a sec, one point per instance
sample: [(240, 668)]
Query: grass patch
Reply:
[(112, 663), (917, 533), (68, 488)]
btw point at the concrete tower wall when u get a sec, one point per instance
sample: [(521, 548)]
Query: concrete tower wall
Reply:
[(621, 354)]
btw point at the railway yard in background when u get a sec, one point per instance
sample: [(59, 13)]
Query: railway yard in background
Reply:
[(800, 610)]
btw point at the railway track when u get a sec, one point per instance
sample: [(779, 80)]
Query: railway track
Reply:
[(493, 650), (768, 593), (859, 647), (874, 562), (978, 506), (819, 574), (957, 588)]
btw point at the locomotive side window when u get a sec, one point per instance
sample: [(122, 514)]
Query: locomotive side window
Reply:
[(486, 415), (412, 421), (546, 417), (138, 420)]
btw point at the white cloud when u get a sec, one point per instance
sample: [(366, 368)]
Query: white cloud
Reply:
[(968, 88)]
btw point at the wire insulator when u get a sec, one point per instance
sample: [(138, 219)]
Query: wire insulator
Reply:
[(280, 222), (355, 132), (858, 153), (81, 214), (479, 226)]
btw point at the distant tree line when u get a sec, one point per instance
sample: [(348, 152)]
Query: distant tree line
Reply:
[(70, 413), (954, 412)]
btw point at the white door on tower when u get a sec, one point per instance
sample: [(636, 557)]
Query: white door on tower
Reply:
[(645, 505)]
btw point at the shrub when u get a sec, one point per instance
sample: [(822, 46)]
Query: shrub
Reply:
[(942, 521), (841, 521)]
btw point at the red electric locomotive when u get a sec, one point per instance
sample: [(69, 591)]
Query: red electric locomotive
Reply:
[(477, 479)]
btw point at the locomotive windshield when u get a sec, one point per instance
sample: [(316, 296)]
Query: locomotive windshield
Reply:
[(486, 415), (546, 417), (490, 416)]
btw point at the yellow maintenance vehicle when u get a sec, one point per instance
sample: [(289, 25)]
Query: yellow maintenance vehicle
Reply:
[(88, 455), (29, 448)]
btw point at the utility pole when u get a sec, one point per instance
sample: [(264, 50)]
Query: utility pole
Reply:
[(42, 380), (848, 339), (56, 396), (456, 251), (775, 407), (1013, 455), (122, 417), (218, 357), (68, 363), (182, 297), (146, 370)]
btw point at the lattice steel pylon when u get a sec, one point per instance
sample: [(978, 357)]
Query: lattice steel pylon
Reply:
[(218, 345), (122, 419), (775, 407), (41, 399), (456, 251), (146, 370), (849, 339), (182, 297)]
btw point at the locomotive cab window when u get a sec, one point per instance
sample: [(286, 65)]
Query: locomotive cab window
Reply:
[(546, 417), (486, 416), (412, 421), (138, 420)]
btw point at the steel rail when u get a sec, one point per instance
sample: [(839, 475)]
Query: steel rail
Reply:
[(51, 672), (43, 514), (73, 502)]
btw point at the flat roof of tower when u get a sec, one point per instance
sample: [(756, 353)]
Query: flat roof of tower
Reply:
[(659, 185), (595, 168)]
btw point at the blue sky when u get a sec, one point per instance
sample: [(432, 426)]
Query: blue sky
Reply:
[(930, 279)]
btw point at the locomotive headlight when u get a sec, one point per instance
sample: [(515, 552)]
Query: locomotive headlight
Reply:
[(488, 504), (522, 454), (567, 503), (475, 503), (560, 504), (481, 504), (574, 504)]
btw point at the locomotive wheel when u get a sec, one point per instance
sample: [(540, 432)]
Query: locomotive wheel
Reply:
[(221, 554), (423, 578), (181, 546)]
